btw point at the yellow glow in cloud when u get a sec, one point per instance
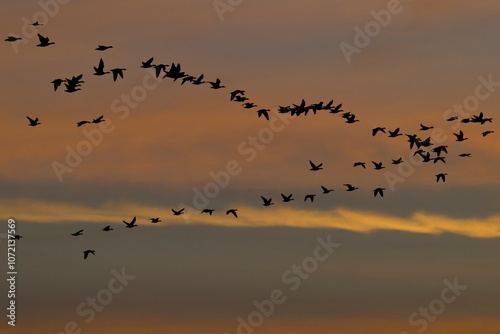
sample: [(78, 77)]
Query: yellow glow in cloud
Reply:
[(358, 221)]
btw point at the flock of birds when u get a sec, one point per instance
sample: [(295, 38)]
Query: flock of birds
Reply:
[(423, 146)]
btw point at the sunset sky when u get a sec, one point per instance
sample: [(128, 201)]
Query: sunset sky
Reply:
[(167, 146)]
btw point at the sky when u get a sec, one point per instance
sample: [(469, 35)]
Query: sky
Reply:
[(422, 258)]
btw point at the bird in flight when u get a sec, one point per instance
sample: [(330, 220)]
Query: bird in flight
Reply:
[(439, 149), (326, 190), (57, 83), (233, 212), (397, 161), (287, 198), (362, 164), (378, 165), (315, 167), (81, 123), (209, 211), (310, 196), (44, 41), (460, 136), (107, 228), (451, 119), (216, 84), (379, 191), (87, 252), (131, 224), (442, 159), (441, 176), (33, 122), (248, 105), (485, 133), (267, 201), (263, 112), (394, 133), (99, 119), (198, 81), (377, 129), (103, 48), (425, 128), (36, 24), (147, 63), (178, 213), (350, 187), (12, 39), (155, 220), (77, 233), (236, 92), (99, 70), (465, 155), (117, 72), (17, 237)]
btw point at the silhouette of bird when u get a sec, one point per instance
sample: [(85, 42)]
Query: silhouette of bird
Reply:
[(287, 198), (107, 228), (267, 202), (249, 105), (236, 92), (465, 120), (397, 161), (425, 128), (359, 163), (216, 84), (198, 81), (99, 70), (44, 41), (460, 136), (394, 133), (350, 187), (155, 220), (412, 139), (377, 129), (315, 167), (310, 196), (175, 72), (36, 24), (453, 118), (117, 72), (189, 78), (81, 123), (263, 112), (17, 237), (57, 83), (99, 119), (284, 110), (485, 133), (178, 213), (209, 211), (87, 252), (71, 88), (378, 165), (147, 63), (77, 233), (103, 48), (336, 109), (441, 176), (158, 68), (351, 119), (34, 122), (439, 149), (233, 212), (12, 39), (131, 224), (379, 191), (465, 155), (442, 159), (240, 98), (326, 190)]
